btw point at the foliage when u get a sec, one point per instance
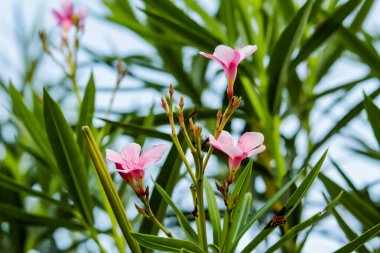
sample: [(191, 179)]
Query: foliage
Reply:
[(67, 179)]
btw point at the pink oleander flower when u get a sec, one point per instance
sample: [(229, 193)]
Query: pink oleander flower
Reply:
[(230, 58), (249, 144), (130, 164), (69, 17)]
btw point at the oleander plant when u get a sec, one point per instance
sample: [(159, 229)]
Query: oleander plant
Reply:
[(238, 151)]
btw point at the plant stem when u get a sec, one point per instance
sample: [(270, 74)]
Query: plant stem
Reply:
[(201, 213), (153, 218)]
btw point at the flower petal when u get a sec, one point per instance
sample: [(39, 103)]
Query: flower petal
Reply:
[(233, 152), (131, 154), (246, 51), (114, 156), (225, 54), (234, 163), (257, 150), (210, 56), (250, 140), (225, 139), (152, 155)]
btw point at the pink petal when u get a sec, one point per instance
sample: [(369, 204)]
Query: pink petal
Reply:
[(210, 56), (152, 155), (68, 8), (131, 154), (246, 51), (234, 163), (257, 150), (226, 54), (113, 156), (225, 139), (250, 140), (57, 15), (232, 152)]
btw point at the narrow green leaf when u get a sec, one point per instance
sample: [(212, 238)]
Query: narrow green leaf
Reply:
[(240, 218), (68, 157), (87, 110), (238, 192), (350, 234), (280, 58), (213, 211), (16, 215), (14, 186), (33, 125), (166, 244), (268, 204), (373, 113), (183, 221), (139, 129), (325, 30), (290, 204), (357, 205), (357, 46), (303, 225), (342, 122), (360, 240), (109, 188)]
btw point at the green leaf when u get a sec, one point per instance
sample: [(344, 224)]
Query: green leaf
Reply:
[(10, 184), (280, 58), (360, 240), (183, 221), (109, 188), (33, 125), (238, 192), (68, 156), (303, 225), (87, 110), (213, 212), (166, 244), (134, 129), (17, 215), (357, 205), (325, 30), (290, 204), (342, 122), (268, 204), (373, 113), (350, 234)]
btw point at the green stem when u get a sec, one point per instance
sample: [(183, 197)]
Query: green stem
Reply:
[(153, 218), (202, 233)]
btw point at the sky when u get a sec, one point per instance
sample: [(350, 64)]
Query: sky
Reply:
[(105, 37)]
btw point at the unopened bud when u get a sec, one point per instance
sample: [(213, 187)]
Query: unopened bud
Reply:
[(121, 68), (192, 127), (181, 103), (165, 106), (141, 211), (218, 118), (171, 91), (147, 192), (43, 39), (199, 130)]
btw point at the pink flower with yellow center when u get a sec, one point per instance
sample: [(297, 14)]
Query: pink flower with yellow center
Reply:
[(129, 163), (229, 59), (68, 17), (249, 144)]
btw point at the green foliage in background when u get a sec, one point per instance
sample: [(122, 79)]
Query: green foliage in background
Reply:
[(54, 175)]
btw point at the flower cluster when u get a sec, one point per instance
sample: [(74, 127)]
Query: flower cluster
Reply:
[(131, 165)]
